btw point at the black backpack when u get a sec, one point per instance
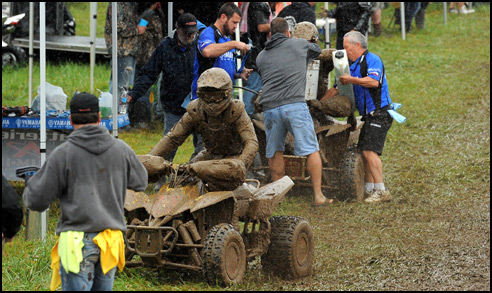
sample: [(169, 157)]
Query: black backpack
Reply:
[(203, 62)]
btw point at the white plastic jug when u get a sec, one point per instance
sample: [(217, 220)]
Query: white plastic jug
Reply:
[(106, 104), (341, 64), (312, 77)]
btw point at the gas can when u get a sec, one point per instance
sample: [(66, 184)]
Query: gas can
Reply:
[(342, 67)]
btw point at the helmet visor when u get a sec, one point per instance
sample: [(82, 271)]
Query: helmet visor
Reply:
[(212, 95)]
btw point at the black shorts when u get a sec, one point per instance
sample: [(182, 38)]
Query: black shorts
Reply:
[(373, 134)]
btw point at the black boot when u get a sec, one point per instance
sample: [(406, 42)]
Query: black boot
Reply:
[(397, 16), (376, 28), (420, 19)]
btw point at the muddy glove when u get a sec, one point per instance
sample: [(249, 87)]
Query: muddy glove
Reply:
[(316, 104), (155, 164), (256, 100), (186, 169)]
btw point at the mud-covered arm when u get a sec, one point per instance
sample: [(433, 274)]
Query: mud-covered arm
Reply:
[(248, 137), (174, 138)]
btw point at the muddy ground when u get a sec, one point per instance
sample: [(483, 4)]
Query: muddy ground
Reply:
[(433, 235)]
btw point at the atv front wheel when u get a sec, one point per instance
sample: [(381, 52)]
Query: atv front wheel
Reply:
[(291, 251), (351, 184), (224, 256)]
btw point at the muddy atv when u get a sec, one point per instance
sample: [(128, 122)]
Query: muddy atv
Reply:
[(217, 233), (343, 166)]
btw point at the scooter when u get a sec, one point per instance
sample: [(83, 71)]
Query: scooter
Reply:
[(11, 55)]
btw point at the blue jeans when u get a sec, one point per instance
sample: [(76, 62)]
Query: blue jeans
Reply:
[(90, 277), (411, 9), (296, 119), (254, 83)]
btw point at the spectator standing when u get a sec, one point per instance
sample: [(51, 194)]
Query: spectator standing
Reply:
[(128, 31), (205, 12), (420, 16), (459, 7), (258, 18), (376, 9), (284, 105), (412, 10), (372, 99), (11, 212), (139, 111), (350, 16), (174, 58), (276, 7), (216, 49), (301, 11), (89, 174)]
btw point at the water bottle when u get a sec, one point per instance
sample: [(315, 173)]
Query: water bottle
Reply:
[(123, 101), (124, 91), (341, 64)]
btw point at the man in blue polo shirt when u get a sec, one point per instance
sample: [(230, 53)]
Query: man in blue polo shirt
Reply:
[(372, 100), (215, 47)]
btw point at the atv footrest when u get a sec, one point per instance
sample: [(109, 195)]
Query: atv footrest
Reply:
[(149, 241)]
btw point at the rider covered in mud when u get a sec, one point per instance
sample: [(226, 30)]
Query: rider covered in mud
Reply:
[(230, 142)]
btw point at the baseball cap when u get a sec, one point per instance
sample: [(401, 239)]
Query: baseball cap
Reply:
[(187, 22), (84, 103)]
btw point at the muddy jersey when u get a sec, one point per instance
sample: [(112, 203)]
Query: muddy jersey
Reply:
[(232, 136)]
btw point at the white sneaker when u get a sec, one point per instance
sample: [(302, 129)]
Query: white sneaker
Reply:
[(464, 10), (379, 195)]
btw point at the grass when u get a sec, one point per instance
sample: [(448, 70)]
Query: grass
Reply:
[(433, 235)]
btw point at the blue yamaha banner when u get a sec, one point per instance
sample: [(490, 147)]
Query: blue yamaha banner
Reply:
[(55, 123), (20, 140)]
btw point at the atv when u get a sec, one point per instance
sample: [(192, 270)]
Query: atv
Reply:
[(183, 226), (343, 166)]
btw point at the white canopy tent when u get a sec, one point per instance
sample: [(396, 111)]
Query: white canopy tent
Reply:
[(93, 17)]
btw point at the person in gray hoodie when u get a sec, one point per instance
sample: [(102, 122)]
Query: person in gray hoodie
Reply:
[(283, 66), (89, 174)]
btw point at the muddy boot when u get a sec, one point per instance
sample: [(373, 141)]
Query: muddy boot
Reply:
[(376, 28)]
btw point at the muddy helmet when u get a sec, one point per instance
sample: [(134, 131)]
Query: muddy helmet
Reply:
[(214, 88), (306, 30)]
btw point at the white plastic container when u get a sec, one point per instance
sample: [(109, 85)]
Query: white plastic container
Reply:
[(312, 78), (106, 104), (342, 67)]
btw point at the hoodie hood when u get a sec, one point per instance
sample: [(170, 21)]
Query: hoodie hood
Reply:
[(276, 40), (92, 138)]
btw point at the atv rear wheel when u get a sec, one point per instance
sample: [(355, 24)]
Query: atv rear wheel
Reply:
[(291, 251), (224, 256)]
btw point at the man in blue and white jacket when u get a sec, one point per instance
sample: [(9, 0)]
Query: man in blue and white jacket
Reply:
[(372, 99)]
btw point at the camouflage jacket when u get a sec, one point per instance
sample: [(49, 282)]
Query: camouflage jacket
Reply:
[(127, 29), (148, 41)]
